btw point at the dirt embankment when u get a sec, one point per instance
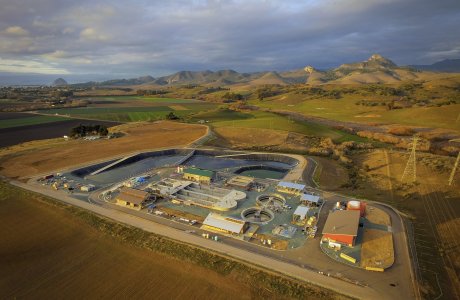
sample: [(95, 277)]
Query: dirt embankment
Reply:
[(26, 160)]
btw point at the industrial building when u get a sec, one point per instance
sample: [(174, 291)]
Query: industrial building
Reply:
[(216, 222), (198, 175), (242, 182), (310, 200), (132, 198), (341, 227), (192, 193), (290, 188), (300, 213)]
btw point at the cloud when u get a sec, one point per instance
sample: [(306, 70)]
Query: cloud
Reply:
[(93, 35), (29, 66), (16, 31), (157, 37)]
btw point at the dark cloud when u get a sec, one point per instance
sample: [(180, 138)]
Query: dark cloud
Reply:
[(158, 37)]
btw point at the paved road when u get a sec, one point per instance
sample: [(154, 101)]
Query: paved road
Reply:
[(300, 263)]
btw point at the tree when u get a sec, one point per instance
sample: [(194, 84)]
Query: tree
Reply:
[(171, 116)]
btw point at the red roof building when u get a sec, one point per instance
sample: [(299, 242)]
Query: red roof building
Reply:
[(342, 227)]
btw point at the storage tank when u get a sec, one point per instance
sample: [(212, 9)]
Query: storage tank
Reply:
[(357, 205), (353, 205), (337, 205)]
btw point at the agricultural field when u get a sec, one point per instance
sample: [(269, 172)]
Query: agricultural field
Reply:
[(27, 121), (18, 128), (136, 113), (224, 118), (53, 254), (139, 100)]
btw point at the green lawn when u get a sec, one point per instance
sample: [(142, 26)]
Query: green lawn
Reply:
[(9, 123)]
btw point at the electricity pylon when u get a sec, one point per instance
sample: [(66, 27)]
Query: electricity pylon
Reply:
[(452, 175), (410, 172)]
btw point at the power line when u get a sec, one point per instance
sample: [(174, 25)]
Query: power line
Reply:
[(454, 170), (410, 172)]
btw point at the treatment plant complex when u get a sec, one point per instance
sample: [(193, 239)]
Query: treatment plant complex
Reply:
[(258, 199)]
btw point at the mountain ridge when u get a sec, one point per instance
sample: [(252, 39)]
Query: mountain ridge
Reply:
[(377, 69)]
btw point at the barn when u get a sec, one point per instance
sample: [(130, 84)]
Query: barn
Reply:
[(342, 227)]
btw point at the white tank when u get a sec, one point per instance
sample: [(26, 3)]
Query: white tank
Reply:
[(353, 204)]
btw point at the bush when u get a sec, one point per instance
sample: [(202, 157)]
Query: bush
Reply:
[(401, 131)]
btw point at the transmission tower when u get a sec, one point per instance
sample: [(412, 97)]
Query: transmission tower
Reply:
[(410, 172), (452, 175)]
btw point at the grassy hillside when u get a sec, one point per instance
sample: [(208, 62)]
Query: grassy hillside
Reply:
[(265, 120), (417, 106)]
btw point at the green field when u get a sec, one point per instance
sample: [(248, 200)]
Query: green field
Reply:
[(131, 114), (266, 120), (9, 123)]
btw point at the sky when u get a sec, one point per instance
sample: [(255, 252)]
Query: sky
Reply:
[(120, 38)]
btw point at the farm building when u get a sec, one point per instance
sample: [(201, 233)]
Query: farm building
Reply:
[(342, 227), (198, 175), (132, 198), (290, 188), (300, 213), (216, 222), (310, 200)]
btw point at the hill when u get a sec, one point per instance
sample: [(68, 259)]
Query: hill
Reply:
[(447, 65), (59, 82), (375, 70)]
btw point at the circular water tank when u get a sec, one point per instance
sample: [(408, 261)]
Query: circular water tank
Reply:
[(353, 205)]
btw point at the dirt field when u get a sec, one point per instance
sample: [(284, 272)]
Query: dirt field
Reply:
[(377, 216), (377, 249), (33, 158), (249, 137), (49, 253)]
